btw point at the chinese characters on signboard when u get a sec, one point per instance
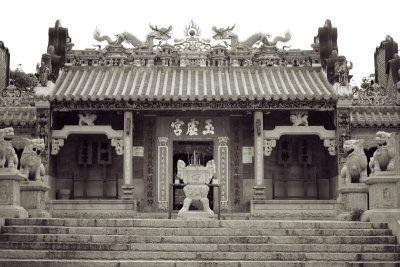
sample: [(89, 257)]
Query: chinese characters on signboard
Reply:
[(162, 176), (247, 154), (85, 152), (223, 172), (104, 152), (192, 127)]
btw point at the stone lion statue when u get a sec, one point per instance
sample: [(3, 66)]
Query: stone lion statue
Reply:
[(299, 118), (356, 162), (384, 157), (87, 119), (31, 165), (8, 157)]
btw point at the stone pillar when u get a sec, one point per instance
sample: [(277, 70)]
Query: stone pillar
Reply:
[(33, 198), (127, 188), (43, 131), (259, 187), (343, 126), (10, 200)]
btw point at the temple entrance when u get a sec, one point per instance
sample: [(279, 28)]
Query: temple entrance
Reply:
[(89, 167), (185, 150), (369, 153), (302, 169)]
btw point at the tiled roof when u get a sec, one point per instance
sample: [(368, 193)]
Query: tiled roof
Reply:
[(17, 116), (190, 83), (375, 118)]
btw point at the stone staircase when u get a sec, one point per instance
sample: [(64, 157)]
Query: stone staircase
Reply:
[(161, 242)]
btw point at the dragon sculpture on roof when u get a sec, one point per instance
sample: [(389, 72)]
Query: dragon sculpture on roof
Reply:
[(162, 34), (226, 33)]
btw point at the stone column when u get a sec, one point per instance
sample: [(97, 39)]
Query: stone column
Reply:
[(43, 131), (10, 197), (259, 187), (127, 188), (343, 126)]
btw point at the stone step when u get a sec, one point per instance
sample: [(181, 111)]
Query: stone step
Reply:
[(190, 231), (161, 255), (199, 239), (333, 248), (165, 223), (197, 263)]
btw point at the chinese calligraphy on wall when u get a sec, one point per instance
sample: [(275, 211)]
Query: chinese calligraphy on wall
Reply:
[(192, 127)]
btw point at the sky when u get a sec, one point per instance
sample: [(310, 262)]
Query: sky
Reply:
[(361, 25)]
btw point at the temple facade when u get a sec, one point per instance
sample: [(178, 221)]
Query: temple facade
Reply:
[(117, 119)]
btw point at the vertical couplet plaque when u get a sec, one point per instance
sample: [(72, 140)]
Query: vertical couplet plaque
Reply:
[(223, 170), (162, 173)]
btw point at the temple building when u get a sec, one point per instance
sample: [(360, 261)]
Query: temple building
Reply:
[(116, 120)]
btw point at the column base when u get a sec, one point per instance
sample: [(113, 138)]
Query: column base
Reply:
[(127, 192), (259, 192)]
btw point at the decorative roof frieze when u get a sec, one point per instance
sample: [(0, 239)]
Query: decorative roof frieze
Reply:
[(204, 105), (192, 50)]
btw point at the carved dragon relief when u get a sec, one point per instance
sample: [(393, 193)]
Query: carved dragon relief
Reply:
[(162, 34), (226, 33)]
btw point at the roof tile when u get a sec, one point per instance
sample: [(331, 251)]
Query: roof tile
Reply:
[(190, 83)]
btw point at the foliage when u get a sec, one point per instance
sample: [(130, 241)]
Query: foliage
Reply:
[(22, 80), (356, 214)]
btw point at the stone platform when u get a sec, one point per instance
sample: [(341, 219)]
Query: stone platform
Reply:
[(93, 208), (294, 209), (160, 242), (196, 215)]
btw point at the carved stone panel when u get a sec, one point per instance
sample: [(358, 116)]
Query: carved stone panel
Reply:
[(5, 192), (383, 196)]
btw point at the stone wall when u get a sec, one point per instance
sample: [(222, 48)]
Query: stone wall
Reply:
[(4, 66)]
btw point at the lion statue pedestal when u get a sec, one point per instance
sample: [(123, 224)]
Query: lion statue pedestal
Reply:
[(384, 183), (33, 198), (353, 194), (10, 201), (196, 178), (34, 188)]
